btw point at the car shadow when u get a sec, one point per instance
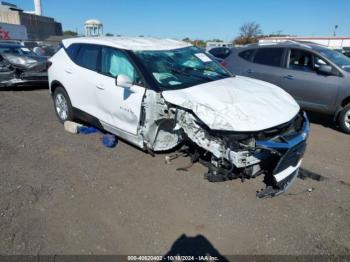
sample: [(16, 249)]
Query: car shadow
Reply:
[(194, 246), (323, 120)]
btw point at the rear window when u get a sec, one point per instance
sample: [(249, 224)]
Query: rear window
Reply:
[(247, 54), (88, 56), (268, 56)]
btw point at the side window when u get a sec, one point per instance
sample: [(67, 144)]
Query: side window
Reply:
[(72, 51), (215, 52), (88, 57), (306, 61), (269, 56), (220, 52), (318, 62), (300, 60), (114, 62), (247, 54)]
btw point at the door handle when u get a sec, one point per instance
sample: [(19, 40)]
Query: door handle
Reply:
[(68, 71), (100, 86), (250, 71), (290, 77)]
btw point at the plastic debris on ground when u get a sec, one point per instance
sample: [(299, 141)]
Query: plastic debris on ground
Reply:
[(87, 130), (108, 140), (72, 127)]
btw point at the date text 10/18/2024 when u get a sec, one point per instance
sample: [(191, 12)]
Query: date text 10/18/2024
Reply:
[(173, 258)]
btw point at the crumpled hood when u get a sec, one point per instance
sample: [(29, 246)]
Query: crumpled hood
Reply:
[(236, 104)]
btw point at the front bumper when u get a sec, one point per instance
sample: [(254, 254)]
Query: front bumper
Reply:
[(27, 79), (292, 151)]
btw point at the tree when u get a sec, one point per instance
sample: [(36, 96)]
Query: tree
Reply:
[(69, 33), (249, 33), (216, 40), (199, 43), (187, 39), (109, 34)]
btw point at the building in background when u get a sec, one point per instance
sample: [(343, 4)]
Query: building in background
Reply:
[(13, 32), (212, 44), (38, 27), (334, 42), (93, 27)]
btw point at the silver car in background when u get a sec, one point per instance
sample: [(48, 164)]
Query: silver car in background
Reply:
[(317, 77)]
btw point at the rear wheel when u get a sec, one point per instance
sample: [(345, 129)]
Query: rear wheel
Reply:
[(344, 119), (63, 106)]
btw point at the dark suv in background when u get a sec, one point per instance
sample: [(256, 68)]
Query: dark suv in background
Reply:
[(220, 53), (317, 77)]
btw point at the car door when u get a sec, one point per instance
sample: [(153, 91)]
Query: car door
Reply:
[(266, 64), (312, 89), (81, 75), (117, 106)]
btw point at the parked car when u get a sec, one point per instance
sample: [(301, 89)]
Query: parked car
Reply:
[(19, 66), (16, 42), (16, 49), (159, 93), (220, 53), (317, 77), (346, 51), (30, 44), (213, 44), (48, 50), (44, 50)]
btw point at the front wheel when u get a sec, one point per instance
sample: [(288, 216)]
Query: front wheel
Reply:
[(344, 119), (63, 106)]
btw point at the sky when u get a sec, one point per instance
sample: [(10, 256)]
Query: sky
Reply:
[(200, 19)]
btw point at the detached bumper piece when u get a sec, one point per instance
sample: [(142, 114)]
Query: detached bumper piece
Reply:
[(287, 168), (285, 172)]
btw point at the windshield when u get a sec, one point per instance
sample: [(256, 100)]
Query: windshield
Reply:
[(337, 58), (181, 68)]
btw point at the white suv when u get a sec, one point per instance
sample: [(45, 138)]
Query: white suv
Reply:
[(160, 93)]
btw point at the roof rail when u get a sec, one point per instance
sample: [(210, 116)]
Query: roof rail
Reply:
[(272, 42)]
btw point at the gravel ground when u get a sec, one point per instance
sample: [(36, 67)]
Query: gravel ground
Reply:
[(67, 194)]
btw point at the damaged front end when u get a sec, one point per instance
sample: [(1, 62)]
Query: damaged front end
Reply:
[(275, 153), (20, 70)]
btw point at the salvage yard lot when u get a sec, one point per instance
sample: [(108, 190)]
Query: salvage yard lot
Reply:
[(67, 194)]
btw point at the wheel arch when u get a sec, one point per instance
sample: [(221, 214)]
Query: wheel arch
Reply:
[(54, 84), (344, 102)]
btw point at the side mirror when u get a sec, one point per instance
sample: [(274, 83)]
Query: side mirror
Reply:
[(325, 69), (123, 81)]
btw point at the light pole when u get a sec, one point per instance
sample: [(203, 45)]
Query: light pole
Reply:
[(335, 30)]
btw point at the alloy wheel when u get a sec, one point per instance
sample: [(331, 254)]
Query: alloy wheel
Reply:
[(61, 106), (347, 119)]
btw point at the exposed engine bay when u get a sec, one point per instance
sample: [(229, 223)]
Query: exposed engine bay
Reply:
[(275, 153), (18, 70)]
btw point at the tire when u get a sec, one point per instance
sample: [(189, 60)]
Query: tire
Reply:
[(62, 105), (344, 119)]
